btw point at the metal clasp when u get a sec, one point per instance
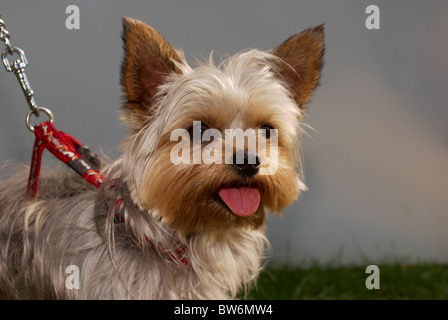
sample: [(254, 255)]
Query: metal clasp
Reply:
[(18, 67), (44, 110), (20, 63)]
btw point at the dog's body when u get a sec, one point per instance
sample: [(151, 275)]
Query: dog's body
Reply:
[(191, 231), (69, 226)]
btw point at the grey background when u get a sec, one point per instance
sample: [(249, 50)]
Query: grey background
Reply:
[(377, 162)]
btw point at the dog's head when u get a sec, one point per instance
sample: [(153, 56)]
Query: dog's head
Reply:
[(215, 147)]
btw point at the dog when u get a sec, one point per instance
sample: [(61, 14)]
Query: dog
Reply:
[(157, 228)]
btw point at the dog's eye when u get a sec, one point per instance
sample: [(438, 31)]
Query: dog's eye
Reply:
[(197, 131), (267, 131)]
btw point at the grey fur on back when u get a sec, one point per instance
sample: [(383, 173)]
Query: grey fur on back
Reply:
[(69, 225)]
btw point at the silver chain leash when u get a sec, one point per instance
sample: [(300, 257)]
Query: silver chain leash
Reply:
[(18, 67), (4, 35)]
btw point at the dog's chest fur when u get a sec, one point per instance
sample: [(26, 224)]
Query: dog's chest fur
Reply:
[(70, 226)]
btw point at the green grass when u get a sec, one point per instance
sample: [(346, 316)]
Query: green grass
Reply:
[(396, 282)]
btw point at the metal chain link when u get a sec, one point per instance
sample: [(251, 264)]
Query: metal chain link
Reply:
[(4, 35), (18, 67)]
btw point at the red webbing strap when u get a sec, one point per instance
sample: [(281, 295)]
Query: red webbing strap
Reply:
[(64, 147), (179, 254)]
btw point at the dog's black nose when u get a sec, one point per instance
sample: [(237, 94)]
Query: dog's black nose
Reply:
[(247, 164)]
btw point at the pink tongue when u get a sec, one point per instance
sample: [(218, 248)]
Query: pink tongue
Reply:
[(242, 201)]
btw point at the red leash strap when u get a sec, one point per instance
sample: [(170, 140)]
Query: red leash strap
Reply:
[(64, 147), (67, 149)]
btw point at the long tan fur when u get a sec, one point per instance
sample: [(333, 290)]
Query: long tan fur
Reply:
[(166, 206)]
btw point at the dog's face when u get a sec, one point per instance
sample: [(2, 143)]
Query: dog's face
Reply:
[(183, 159)]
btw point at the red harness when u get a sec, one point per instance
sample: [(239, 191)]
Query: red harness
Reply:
[(67, 149), (64, 147), (119, 217)]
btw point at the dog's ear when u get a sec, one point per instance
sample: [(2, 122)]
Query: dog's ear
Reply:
[(148, 58), (302, 55)]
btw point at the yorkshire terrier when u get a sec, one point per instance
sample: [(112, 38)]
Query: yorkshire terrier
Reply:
[(168, 223)]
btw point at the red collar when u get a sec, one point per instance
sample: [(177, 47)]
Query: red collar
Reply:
[(69, 150), (179, 254)]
